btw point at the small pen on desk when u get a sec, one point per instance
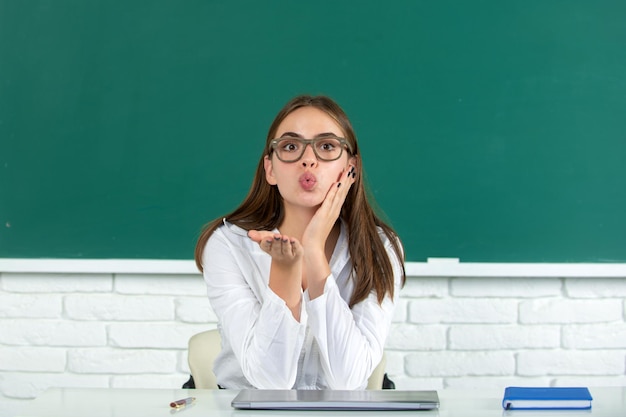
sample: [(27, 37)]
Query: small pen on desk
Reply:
[(182, 403)]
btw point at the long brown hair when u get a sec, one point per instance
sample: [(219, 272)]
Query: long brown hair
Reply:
[(262, 209)]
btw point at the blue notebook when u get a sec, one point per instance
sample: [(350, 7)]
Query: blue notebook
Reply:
[(532, 398)]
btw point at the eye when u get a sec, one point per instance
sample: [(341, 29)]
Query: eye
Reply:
[(289, 145), (328, 145)]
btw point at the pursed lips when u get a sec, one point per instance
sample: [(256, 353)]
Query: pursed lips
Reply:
[(307, 181)]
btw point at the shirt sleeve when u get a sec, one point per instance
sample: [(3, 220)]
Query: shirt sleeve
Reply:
[(351, 341), (257, 324)]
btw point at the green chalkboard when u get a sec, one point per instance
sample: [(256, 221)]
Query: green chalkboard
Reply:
[(491, 131)]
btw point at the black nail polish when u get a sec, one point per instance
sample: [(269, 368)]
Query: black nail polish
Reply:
[(338, 185)]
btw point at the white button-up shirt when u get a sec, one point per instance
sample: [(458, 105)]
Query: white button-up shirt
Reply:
[(263, 346)]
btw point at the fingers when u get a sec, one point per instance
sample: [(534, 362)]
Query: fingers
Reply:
[(346, 180), (351, 174), (259, 235), (280, 247), (338, 193), (348, 176)]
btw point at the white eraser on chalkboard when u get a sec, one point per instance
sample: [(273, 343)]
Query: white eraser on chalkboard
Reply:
[(442, 260)]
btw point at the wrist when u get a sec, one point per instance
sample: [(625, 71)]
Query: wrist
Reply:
[(314, 255), (286, 281), (316, 269)]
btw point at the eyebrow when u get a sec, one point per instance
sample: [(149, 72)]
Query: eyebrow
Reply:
[(319, 135)]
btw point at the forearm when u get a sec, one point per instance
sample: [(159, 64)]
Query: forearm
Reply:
[(286, 282), (316, 270)]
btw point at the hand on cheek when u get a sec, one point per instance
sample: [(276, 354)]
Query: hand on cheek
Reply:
[(324, 219)]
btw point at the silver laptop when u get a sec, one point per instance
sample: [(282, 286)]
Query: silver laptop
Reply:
[(259, 399)]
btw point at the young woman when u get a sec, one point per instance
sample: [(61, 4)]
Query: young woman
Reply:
[(303, 275)]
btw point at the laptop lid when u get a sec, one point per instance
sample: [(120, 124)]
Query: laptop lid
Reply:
[(259, 399)]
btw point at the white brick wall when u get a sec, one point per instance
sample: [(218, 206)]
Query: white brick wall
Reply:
[(131, 330)]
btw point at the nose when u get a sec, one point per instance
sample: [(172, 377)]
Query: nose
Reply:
[(309, 159)]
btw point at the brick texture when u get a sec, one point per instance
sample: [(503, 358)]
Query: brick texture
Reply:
[(131, 331)]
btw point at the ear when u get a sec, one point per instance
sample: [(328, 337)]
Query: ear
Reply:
[(269, 170), (353, 160)]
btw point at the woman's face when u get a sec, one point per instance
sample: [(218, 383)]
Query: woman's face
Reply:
[(304, 183)]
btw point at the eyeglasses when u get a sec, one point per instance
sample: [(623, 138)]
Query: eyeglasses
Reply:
[(291, 149)]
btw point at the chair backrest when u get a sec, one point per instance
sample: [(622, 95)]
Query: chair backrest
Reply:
[(205, 346), (375, 380), (203, 349)]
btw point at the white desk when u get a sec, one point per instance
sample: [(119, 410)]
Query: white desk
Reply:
[(77, 402)]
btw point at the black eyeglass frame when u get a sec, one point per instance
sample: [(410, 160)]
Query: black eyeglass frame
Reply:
[(342, 141)]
